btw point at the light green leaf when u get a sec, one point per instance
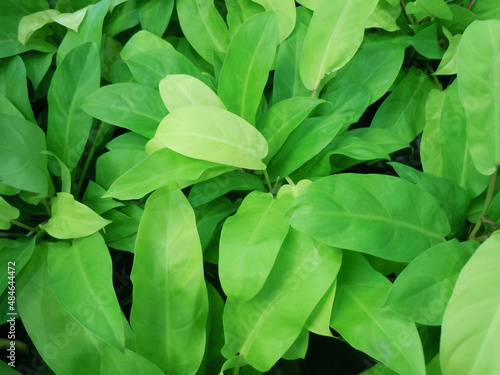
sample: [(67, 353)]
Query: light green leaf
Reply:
[(18, 251), (358, 317), (203, 27), (111, 165), (403, 112), (246, 67), (128, 105), (384, 16), (302, 274), (155, 15), (128, 141), (82, 274), (478, 82), (172, 334), (298, 349), (430, 147), (64, 172), (249, 243), (422, 291), (159, 169), (426, 41), (93, 199), (143, 41), (379, 369), (212, 134), (23, 166), (334, 35), (286, 15), (432, 8), (330, 211), (319, 320), (122, 232), (124, 17), (486, 10), (448, 65), (129, 362), (72, 219), (179, 90), (68, 125), (470, 323), (238, 11), (7, 213), (311, 4)]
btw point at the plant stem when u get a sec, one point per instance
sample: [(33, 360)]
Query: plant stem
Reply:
[(434, 78), (236, 371), (289, 180), (486, 206), (408, 16), (89, 159), (46, 205), (315, 91), (268, 181), (24, 226)]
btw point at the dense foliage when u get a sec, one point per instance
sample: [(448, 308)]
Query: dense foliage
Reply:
[(190, 187)]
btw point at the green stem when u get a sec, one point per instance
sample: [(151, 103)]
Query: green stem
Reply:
[(236, 371), (486, 206), (268, 181), (289, 180), (315, 91), (434, 78), (408, 16), (89, 159), (45, 203), (24, 226)]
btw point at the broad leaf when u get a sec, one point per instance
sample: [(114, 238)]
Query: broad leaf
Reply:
[(436, 8), (127, 363), (7, 213), (19, 252), (431, 153), (172, 334), (155, 15), (286, 15)]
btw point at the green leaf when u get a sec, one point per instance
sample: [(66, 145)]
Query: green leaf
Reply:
[(298, 349), (93, 199), (250, 242), (487, 10), (203, 27), (124, 17), (37, 66), (334, 35), (90, 30), (422, 291), (143, 41), (128, 141), (64, 344), (319, 320), (122, 232), (403, 112), (68, 125), (282, 119), (432, 8), (478, 82), (206, 191), (426, 42), (179, 90), (159, 169), (384, 16), (474, 333), (155, 15), (7, 213), (238, 11), (302, 274), (82, 274), (286, 15), (172, 335), (13, 74), (430, 147), (127, 363), (212, 134), (330, 211), (385, 60), (247, 64), (111, 165), (457, 161), (23, 166), (358, 317), (18, 252), (64, 172), (72, 219), (128, 105), (448, 65), (379, 369)]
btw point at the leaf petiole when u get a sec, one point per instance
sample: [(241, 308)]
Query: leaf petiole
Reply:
[(486, 206)]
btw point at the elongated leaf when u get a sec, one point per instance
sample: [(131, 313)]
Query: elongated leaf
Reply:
[(23, 166), (72, 219), (334, 35), (159, 169), (111, 165), (250, 242), (7, 213), (37, 66), (286, 15), (302, 274), (403, 112), (143, 41), (179, 90), (63, 343), (93, 199), (155, 15), (212, 134), (384, 16), (422, 291), (127, 363), (319, 320), (124, 16), (238, 11), (448, 64), (248, 61), (82, 274), (331, 212), (430, 147), (487, 9), (19, 252), (478, 82), (128, 105), (474, 333), (172, 335), (203, 27), (68, 125), (436, 8), (358, 317)]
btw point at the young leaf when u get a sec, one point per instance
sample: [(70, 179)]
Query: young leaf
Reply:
[(23, 166), (358, 317), (7, 213), (143, 41), (172, 334), (93, 199), (478, 82), (384, 16), (435, 8), (247, 64), (212, 134), (179, 90), (203, 27), (334, 35), (330, 211), (474, 333), (82, 274), (72, 219), (422, 291), (111, 165), (319, 320), (448, 65), (286, 15), (250, 242), (128, 105), (68, 125)]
